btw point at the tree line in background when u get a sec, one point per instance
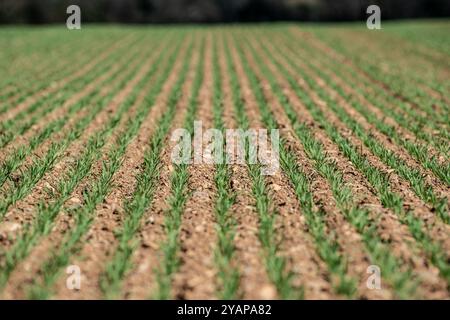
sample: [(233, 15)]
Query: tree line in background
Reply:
[(182, 11)]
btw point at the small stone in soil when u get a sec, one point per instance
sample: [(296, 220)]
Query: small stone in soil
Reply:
[(276, 187), (150, 220), (9, 228), (267, 292)]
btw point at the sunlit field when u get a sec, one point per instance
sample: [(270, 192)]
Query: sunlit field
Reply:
[(358, 209)]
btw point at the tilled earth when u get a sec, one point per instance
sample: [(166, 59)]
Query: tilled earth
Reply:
[(358, 208)]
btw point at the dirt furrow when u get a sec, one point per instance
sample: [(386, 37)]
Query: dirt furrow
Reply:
[(22, 214), (254, 282), (61, 111), (389, 228), (388, 143), (101, 240), (406, 60), (405, 133), (62, 82), (323, 47), (20, 278), (348, 238), (399, 184), (140, 282), (348, 89), (195, 277), (297, 245), (49, 70)]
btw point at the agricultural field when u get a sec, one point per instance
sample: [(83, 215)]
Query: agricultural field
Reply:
[(88, 187)]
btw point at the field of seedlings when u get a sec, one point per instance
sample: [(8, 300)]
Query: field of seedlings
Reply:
[(93, 207)]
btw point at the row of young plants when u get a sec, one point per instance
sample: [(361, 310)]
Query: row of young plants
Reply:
[(415, 178), (417, 150), (81, 48), (407, 117), (358, 216), (389, 96), (426, 37), (378, 179), (100, 187), (228, 274), (399, 101), (34, 76), (35, 65), (143, 194), (379, 98), (275, 263), (420, 67), (179, 195), (15, 127), (395, 84), (30, 175), (24, 119), (42, 74), (19, 154), (32, 47), (417, 65), (48, 211), (326, 245), (48, 84)]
